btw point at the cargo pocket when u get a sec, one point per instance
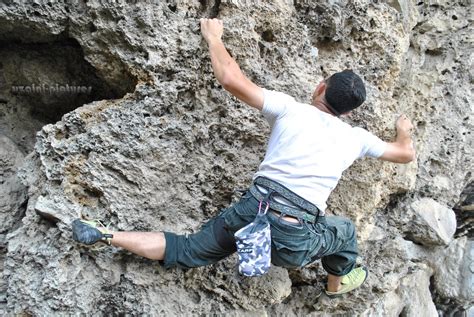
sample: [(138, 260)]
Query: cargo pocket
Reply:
[(339, 235), (291, 243), (291, 253)]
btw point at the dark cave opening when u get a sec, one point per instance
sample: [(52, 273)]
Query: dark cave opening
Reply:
[(40, 82), (464, 210)]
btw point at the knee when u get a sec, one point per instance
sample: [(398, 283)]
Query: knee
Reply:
[(224, 238), (154, 249)]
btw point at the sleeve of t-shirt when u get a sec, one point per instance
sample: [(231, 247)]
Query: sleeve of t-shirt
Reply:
[(275, 105), (372, 145)]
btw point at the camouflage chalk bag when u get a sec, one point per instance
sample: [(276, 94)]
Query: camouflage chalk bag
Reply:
[(254, 245)]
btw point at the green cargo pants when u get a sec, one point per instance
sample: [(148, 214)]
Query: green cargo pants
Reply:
[(333, 240)]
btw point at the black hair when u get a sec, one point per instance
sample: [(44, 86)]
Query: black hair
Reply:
[(345, 91)]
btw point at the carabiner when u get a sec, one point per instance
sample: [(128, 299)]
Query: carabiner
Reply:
[(260, 207)]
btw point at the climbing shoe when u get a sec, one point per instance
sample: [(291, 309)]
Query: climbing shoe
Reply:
[(351, 281), (90, 232)]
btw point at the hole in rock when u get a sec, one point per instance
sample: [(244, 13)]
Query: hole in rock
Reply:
[(211, 8), (215, 9), (404, 312), (268, 36), (434, 52), (326, 44), (48, 219), (40, 82), (172, 7), (92, 27)]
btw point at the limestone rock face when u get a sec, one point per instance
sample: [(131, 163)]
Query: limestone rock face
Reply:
[(12, 204), (454, 278), (411, 298), (160, 145), (13, 193)]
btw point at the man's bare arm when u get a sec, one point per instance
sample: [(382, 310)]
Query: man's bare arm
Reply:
[(225, 68), (402, 150)]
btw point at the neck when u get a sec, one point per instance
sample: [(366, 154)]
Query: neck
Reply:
[(322, 105)]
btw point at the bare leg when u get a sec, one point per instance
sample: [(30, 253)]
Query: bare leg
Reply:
[(150, 245), (334, 283)]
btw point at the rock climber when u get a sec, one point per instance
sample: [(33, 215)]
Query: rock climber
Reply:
[(309, 148)]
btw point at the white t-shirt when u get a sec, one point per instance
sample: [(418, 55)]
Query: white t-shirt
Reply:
[(309, 149)]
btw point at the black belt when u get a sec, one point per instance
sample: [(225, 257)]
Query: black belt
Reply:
[(304, 209)]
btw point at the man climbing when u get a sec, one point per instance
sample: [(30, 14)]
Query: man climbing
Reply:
[(308, 150)]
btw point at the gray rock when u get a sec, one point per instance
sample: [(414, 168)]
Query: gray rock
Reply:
[(168, 152), (454, 272), (431, 223)]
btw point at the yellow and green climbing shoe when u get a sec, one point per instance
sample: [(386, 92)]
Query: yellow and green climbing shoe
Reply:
[(351, 281), (90, 232)]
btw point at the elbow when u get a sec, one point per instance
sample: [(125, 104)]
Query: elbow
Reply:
[(407, 153), (399, 153), (409, 156), (226, 83), (230, 77), (227, 80)]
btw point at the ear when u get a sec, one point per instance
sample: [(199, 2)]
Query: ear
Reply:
[(320, 88)]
